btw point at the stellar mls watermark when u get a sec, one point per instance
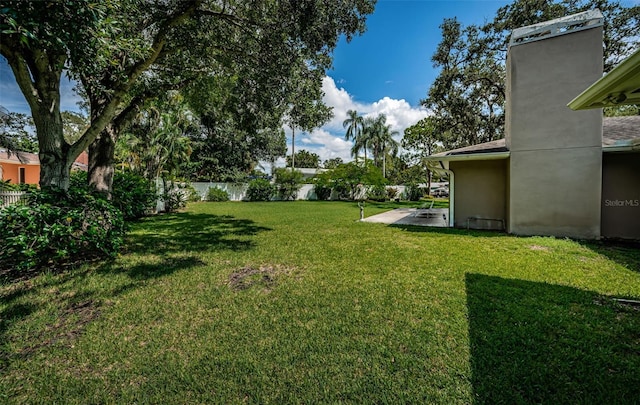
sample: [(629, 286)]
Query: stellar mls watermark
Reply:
[(622, 203)]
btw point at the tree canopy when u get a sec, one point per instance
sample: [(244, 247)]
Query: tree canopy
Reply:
[(306, 159), (125, 52), (467, 97)]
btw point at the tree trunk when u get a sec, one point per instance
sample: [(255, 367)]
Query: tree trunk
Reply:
[(293, 148), (54, 152), (101, 161), (384, 167)]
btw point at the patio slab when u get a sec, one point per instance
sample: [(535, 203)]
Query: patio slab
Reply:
[(437, 217)]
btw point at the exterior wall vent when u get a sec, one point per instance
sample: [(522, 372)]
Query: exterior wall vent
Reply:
[(560, 26)]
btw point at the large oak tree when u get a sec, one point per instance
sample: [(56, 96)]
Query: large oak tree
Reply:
[(125, 52)]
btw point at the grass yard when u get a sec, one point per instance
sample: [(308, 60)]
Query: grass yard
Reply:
[(299, 303)]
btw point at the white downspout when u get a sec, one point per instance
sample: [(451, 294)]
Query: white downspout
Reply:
[(451, 194)]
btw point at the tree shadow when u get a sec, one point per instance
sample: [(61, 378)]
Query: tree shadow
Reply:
[(539, 343), (626, 253), (188, 232), (74, 309), (171, 240), (152, 269), (448, 231)]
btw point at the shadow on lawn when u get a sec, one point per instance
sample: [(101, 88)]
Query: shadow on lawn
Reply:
[(194, 232), (172, 239), (626, 253), (540, 343), (448, 231)]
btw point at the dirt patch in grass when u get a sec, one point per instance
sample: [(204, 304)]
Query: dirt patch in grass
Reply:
[(71, 323), (263, 276), (540, 248)]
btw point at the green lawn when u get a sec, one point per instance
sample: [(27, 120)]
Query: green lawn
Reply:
[(299, 303)]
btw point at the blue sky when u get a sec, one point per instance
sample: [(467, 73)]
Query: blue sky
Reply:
[(386, 70), (393, 58)]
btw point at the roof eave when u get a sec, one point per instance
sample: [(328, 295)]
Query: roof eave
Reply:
[(618, 87), (620, 148), (470, 156)]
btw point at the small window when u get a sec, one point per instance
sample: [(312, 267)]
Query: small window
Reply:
[(22, 175)]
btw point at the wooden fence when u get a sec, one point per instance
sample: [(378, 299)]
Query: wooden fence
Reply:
[(10, 197)]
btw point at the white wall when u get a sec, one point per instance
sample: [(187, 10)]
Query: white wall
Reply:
[(238, 191)]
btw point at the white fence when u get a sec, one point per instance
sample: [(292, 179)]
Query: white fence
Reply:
[(238, 191), (10, 197)]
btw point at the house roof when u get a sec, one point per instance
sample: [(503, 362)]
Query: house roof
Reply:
[(32, 159), (618, 134), (487, 147), (618, 87), (621, 133), (483, 151), (23, 158)]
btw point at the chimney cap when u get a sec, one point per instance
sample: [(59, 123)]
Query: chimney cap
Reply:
[(559, 26)]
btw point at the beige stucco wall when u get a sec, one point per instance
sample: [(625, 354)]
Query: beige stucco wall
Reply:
[(621, 195), (555, 164), (480, 191)]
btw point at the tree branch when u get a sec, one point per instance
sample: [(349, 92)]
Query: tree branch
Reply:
[(239, 22), (20, 70), (109, 110), (158, 43)]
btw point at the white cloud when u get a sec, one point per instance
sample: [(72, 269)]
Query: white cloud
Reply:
[(328, 141)]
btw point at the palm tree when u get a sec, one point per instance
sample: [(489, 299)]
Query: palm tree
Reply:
[(355, 124), (381, 140)]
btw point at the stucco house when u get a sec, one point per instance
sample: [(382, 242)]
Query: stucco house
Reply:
[(24, 167), (557, 172)]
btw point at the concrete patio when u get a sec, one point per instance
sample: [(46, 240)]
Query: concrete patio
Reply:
[(437, 217)]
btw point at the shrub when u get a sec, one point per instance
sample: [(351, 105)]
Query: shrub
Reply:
[(377, 193), (54, 228), (260, 190), (414, 192), (392, 192), (349, 180), (217, 194), (323, 185), (174, 196), (6, 185), (288, 183), (192, 194), (132, 194)]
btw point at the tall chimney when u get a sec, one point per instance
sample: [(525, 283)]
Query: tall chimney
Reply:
[(555, 166)]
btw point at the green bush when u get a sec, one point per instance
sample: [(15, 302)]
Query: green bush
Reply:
[(6, 185), (288, 183), (55, 228), (174, 196), (323, 185), (217, 194), (413, 192), (260, 190), (349, 180), (132, 194), (377, 193), (192, 194), (392, 192)]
